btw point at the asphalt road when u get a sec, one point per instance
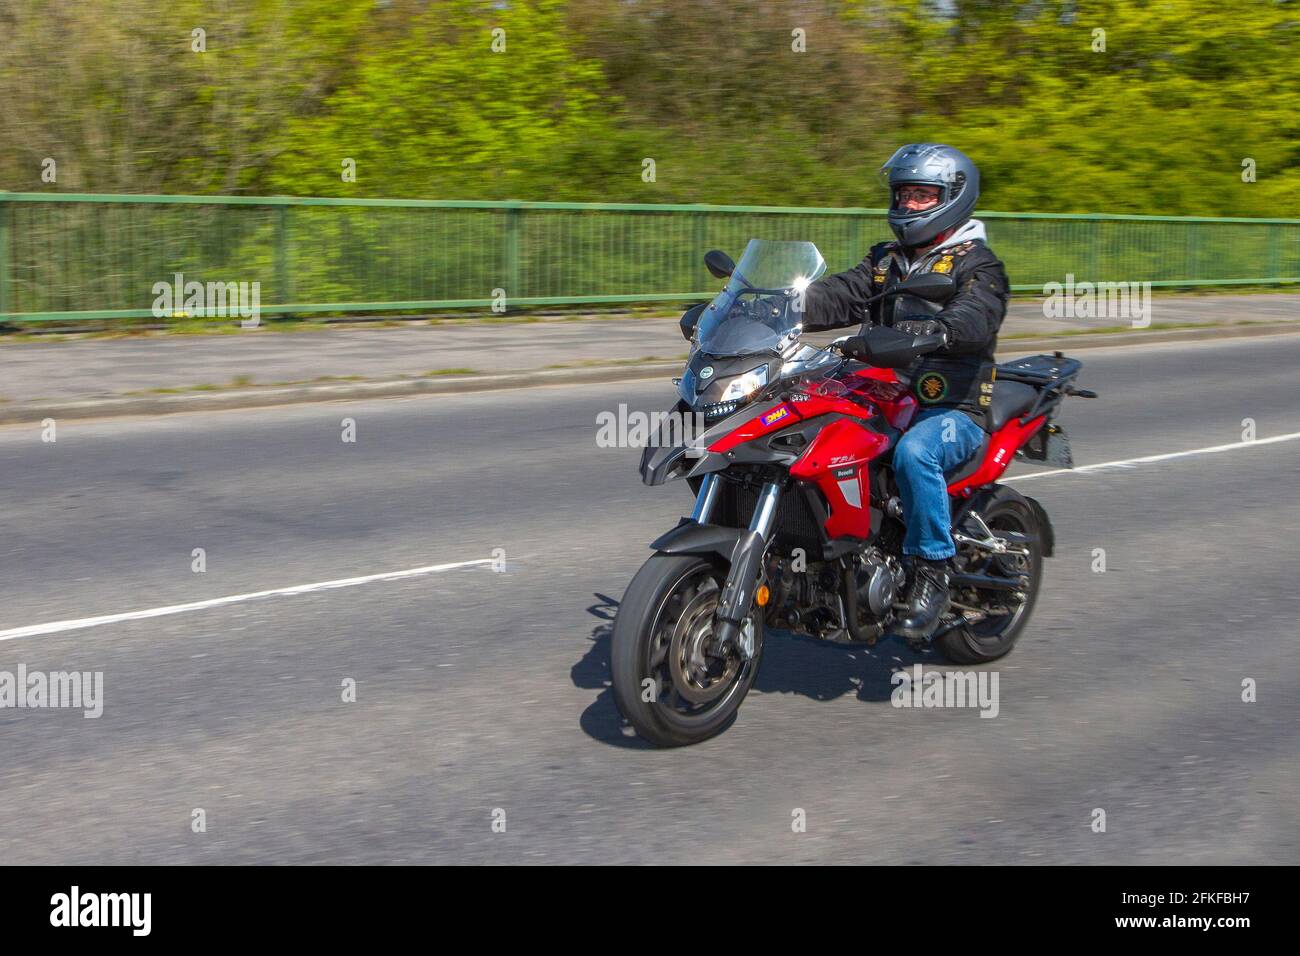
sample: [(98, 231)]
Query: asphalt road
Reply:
[(479, 690)]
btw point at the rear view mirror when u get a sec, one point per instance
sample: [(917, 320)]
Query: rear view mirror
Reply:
[(931, 286), (719, 264)]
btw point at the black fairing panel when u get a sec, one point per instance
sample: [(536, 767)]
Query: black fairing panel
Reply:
[(689, 320), (662, 463)]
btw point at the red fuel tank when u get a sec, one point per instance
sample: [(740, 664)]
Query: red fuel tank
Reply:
[(881, 387)]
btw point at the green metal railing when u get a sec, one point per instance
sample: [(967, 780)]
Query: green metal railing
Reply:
[(70, 257)]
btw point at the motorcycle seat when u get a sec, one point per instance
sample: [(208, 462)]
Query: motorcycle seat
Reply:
[(969, 466), (1010, 399)]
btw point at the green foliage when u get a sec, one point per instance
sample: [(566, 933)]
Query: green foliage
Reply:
[(437, 113), (1159, 122)]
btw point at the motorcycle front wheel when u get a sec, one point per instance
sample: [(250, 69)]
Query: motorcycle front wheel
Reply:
[(669, 682)]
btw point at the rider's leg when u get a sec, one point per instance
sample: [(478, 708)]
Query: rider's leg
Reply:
[(938, 441)]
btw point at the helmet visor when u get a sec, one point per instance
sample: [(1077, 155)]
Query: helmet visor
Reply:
[(925, 163)]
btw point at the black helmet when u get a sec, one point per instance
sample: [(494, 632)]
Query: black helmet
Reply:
[(930, 164)]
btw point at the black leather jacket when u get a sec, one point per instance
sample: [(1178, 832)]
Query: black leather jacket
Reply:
[(959, 376)]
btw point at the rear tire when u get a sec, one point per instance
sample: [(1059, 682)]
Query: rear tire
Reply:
[(1005, 509), (665, 616)]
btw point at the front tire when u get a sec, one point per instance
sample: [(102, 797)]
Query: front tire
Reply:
[(666, 683)]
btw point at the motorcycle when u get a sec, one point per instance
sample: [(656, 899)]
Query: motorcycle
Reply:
[(797, 523)]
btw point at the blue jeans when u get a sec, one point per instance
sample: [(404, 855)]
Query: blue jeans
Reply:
[(940, 439)]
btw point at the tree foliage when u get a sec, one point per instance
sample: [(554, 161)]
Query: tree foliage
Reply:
[(1155, 115)]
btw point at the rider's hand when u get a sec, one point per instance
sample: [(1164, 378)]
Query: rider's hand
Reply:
[(920, 325)]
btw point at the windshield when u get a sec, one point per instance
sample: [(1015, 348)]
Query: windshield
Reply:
[(760, 309)]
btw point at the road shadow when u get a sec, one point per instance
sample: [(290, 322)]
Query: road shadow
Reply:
[(601, 720), (824, 670), (818, 670)]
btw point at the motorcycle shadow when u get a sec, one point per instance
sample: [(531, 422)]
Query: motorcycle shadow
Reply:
[(819, 670), (601, 720)]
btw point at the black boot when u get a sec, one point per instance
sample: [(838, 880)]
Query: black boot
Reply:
[(927, 600)]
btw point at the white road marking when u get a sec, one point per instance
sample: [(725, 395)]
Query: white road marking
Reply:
[(1134, 462), (55, 627)]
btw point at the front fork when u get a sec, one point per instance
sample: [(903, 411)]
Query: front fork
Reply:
[(706, 500), (746, 562)]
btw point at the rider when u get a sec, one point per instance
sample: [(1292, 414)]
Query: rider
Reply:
[(933, 190)]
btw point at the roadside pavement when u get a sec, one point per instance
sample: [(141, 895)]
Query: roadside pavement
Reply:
[(83, 376)]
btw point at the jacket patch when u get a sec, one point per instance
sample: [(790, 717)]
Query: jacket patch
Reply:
[(931, 387), (944, 265), (880, 270)]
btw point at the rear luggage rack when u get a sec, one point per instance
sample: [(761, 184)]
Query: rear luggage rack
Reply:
[(1053, 375), (1040, 369)]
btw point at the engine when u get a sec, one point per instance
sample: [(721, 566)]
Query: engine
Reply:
[(812, 601), (880, 578)]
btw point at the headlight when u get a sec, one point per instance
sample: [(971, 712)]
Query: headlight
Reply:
[(743, 386)]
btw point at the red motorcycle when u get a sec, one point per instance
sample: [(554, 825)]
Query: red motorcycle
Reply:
[(797, 522)]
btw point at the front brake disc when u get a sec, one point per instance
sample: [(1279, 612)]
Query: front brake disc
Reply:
[(697, 676)]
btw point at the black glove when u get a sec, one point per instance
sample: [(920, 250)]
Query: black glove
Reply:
[(919, 325)]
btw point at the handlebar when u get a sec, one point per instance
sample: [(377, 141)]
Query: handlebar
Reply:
[(885, 347)]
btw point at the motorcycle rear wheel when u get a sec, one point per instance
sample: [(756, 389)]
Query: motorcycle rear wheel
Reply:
[(672, 691), (996, 635)]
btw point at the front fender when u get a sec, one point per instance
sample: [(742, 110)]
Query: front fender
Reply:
[(691, 538), (741, 548)]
